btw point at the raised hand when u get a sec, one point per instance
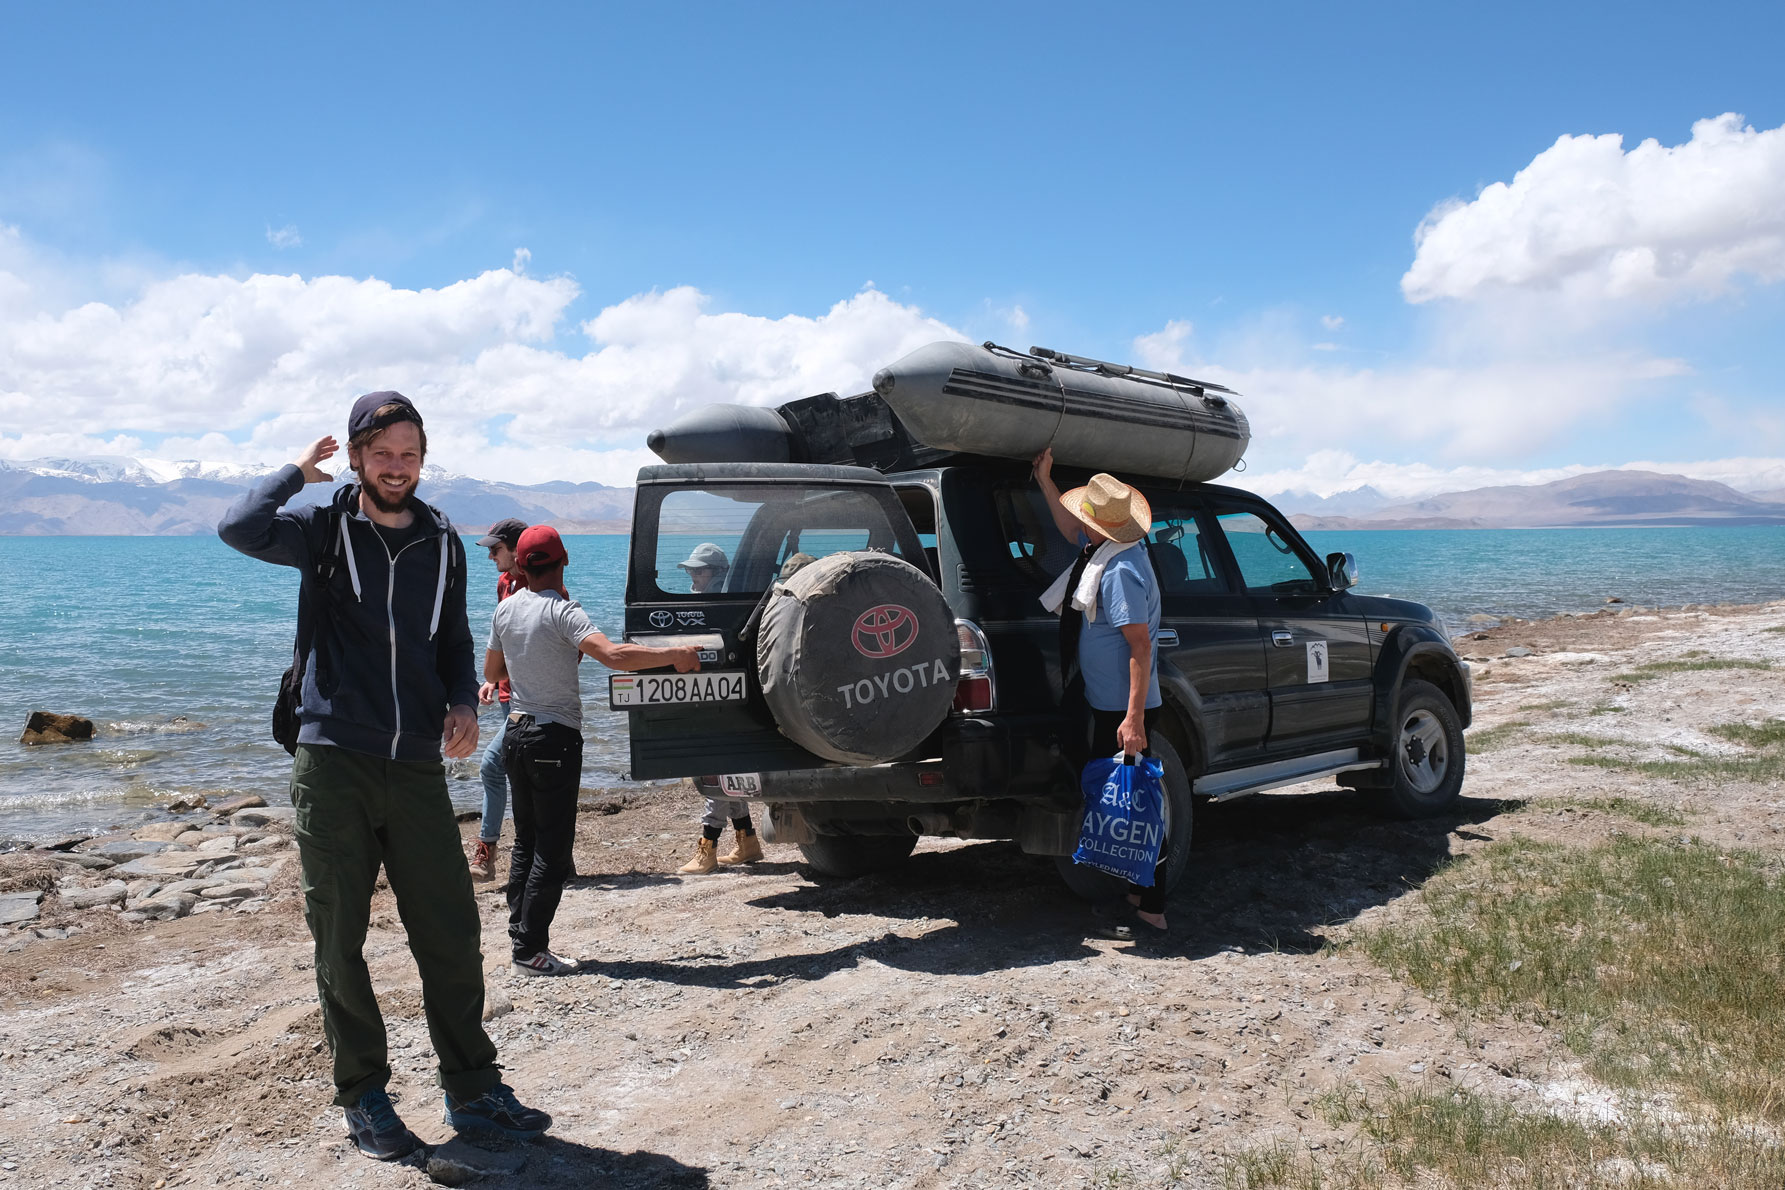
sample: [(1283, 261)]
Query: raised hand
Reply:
[(1043, 466), (324, 447)]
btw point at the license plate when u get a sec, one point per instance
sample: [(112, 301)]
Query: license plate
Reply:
[(656, 690), (740, 783)]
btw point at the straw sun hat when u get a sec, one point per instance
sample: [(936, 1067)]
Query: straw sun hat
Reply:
[(1111, 507)]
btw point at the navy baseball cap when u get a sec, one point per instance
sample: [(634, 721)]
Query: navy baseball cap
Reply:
[(506, 531), (365, 415)]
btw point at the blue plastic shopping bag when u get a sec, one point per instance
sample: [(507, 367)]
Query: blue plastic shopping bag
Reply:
[(1124, 822)]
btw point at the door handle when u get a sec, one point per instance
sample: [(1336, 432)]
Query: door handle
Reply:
[(1168, 638), (1282, 639)]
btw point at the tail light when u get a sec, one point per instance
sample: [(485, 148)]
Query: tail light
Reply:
[(978, 689)]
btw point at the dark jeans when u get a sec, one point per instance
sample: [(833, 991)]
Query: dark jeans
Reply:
[(1103, 743), (355, 812), (545, 769)]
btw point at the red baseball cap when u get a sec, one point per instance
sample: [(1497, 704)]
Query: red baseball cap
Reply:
[(540, 544)]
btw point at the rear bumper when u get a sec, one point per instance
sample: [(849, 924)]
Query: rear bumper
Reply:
[(969, 758)]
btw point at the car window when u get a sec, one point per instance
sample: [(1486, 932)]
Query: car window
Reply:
[(1181, 555), (1029, 533), (736, 540), (1268, 562)]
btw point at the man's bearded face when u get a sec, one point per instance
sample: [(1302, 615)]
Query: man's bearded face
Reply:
[(389, 467)]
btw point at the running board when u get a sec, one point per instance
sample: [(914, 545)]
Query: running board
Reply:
[(1259, 777)]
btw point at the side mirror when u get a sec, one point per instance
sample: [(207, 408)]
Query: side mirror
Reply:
[(1341, 571)]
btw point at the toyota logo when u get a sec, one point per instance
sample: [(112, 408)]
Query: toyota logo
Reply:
[(662, 619), (884, 631)]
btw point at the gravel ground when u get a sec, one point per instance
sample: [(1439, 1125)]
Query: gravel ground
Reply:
[(953, 1023)]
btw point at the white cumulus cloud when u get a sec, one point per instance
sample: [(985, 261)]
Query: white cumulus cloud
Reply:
[(1591, 220), (248, 369)]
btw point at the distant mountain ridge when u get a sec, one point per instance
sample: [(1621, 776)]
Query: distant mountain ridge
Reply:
[(1600, 498), (122, 497), (118, 496)]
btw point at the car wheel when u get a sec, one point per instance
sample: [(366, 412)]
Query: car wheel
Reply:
[(1093, 885), (856, 855), (1425, 762)]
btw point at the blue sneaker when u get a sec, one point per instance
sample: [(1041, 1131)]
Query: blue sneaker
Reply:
[(374, 1126), (498, 1111)]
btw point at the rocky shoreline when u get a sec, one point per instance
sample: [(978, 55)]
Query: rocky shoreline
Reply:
[(956, 1022), (229, 859)]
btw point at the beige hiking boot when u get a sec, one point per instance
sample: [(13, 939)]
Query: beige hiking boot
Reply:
[(483, 860), (705, 860), (748, 850)]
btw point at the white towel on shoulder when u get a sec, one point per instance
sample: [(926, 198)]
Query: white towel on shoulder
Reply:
[(1085, 597)]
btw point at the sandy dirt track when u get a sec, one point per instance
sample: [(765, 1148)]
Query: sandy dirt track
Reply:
[(953, 1023)]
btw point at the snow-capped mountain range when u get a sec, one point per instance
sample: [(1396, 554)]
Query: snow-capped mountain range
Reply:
[(117, 496)]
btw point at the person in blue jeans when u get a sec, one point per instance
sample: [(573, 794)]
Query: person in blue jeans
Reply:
[(536, 640), (500, 541)]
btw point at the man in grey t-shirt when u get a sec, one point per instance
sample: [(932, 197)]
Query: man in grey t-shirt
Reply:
[(536, 639)]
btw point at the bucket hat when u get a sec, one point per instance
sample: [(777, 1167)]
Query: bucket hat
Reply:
[(1111, 507), (706, 556)]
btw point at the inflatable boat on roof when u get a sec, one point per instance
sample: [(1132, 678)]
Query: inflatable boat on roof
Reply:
[(953, 398)]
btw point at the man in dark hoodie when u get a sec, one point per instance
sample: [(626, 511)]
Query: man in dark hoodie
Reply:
[(388, 686)]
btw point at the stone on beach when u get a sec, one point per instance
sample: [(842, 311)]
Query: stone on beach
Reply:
[(246, 801), (161, 832), (263, 816), (122, 851), (234, 891), (458, 1161), (190, 802), (78, 859), (163, 906), (92, 898), (17, 907), (166, 865), (47, 727)]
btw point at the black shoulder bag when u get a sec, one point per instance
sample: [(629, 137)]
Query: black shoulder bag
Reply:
[(286, 720)]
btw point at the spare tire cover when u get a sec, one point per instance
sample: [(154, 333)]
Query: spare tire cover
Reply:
[(858, 657)]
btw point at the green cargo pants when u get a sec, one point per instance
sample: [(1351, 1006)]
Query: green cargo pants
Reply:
[(355, 812)]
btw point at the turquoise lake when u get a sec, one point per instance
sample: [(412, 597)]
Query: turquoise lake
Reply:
[(173, 645)]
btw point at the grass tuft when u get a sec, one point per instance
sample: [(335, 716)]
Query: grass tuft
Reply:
[(1554, 705), (1582, 740), (1763, 762), (1490, 739), (1606, 708), (1650, 670), (1659, 962), (1627, 807), (1461, 1140)]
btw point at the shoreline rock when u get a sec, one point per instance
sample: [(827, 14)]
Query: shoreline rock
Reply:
[(49, 727)]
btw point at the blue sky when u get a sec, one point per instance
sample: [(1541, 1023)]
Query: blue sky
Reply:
[(1233, 189)]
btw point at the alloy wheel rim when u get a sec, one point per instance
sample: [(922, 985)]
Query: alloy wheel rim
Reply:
[(1424, 751)]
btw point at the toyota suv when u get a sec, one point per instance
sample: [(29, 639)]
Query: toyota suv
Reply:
[(877, 665)]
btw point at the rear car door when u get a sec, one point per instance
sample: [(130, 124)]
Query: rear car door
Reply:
[(1315, 641), (756, 517)]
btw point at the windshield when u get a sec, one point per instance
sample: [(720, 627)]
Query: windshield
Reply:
[(729, 539)]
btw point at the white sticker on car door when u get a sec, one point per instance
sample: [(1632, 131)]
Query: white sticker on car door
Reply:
[(1317, 661)]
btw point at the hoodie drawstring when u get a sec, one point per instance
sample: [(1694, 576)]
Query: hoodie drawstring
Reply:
[(440, 587), (352, 567)]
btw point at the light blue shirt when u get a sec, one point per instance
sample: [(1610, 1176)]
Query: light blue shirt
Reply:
[(1128, 594)]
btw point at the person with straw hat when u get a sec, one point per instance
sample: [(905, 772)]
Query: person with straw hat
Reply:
[(1108, 602)]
